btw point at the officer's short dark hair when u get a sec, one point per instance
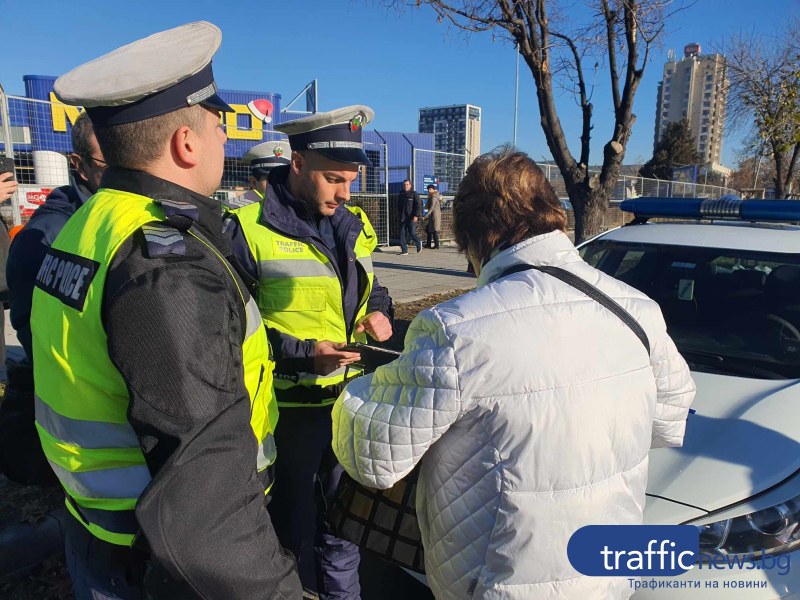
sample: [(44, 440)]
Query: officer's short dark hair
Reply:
[(131, 145), (82, 133), (504, 199)]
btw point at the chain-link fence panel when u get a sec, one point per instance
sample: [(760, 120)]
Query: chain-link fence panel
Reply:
[(443, 169), (370, 190), (36, 133)]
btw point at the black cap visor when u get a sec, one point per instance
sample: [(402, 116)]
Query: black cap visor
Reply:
[(215, 102), (346, 155)]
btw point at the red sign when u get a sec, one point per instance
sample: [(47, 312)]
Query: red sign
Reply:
[(36, 197)]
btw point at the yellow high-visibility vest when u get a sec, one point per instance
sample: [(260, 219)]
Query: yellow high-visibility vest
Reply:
[(300, 294), (81, 397)]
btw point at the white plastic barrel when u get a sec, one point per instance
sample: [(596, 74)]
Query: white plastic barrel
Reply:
[(51, 169)]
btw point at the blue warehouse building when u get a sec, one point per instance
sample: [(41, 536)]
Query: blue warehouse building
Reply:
[(41, 124)]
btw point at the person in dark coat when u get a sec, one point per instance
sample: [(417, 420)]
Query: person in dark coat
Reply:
[(21, 456), (409, 211), (433, 218)]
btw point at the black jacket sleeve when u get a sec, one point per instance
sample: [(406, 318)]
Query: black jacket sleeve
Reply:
[(417, 211), (25, 257), (292, 355), (175, 333), (380, 300)]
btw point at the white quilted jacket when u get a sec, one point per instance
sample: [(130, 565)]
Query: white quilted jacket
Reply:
[(532, 409)]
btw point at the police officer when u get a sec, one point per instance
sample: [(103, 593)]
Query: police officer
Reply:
[(309, 259), (262, 158), (153, 389)]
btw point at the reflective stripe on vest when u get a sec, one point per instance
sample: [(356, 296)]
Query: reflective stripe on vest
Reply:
[(301, 295), (82, 399)]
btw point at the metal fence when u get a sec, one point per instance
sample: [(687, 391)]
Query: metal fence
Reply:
[(36, 133)]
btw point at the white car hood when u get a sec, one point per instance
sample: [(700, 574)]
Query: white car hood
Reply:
[(743, 438)]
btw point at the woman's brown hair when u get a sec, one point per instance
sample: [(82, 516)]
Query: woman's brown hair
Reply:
[(503, 199)]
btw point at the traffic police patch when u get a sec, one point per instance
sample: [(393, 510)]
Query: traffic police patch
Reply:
[(67, 277)]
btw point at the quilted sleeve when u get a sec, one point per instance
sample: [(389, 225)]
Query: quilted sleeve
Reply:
[(384, 422), (676, 391)]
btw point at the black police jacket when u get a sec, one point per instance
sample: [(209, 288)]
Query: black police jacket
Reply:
[(174, 324)]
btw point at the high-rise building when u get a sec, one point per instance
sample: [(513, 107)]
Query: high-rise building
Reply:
[(694, 88), (455, 128)]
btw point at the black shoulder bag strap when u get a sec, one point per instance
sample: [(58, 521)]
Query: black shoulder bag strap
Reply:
[(591, 291)]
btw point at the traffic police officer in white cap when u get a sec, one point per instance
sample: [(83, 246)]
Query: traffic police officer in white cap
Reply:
[(309, 260), (262, 158), (152, 369)]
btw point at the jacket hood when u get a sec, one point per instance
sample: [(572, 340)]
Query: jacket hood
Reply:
[(66, 199)]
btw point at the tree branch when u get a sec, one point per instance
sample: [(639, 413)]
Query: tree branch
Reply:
[(611, 37)]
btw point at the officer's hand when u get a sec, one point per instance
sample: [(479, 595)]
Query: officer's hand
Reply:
[(8, 186), (377, 325), (328, 357)]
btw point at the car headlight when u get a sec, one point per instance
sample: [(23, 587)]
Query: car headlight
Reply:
[(773, 530)]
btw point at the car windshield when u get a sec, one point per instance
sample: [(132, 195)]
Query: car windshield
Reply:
[(729, 311)]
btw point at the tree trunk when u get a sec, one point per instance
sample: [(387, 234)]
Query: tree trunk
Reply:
[(589, 206), (779, 178)]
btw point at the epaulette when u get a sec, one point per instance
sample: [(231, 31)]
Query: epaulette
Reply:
[(238, 202), (162, 239), (179, 214)]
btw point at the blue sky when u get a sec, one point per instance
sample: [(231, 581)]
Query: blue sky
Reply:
[(362, 52)]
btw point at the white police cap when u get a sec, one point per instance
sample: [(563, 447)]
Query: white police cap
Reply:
[(147, 78), (335, 134), (266, 156)]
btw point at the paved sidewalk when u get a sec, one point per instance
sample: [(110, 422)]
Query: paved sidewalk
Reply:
[(408, 278), (421, 274)]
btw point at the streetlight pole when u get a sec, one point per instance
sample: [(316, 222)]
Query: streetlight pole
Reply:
[(516, 93)]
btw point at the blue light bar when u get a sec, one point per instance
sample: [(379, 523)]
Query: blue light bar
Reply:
[(727, 207)]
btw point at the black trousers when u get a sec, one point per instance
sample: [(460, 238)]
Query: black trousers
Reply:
[(306, 477), (435, 236)]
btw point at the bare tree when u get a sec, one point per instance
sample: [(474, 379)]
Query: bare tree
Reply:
[(764, 97), (618, 36)]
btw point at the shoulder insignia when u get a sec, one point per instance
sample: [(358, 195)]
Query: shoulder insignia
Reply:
[(173, 208), (238, 202), (162, 239)]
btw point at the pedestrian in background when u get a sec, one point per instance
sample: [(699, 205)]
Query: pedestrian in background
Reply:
[(433, 217), (531, 405), (409, 211)]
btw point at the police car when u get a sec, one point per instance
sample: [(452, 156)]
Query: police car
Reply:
[(727, 278)]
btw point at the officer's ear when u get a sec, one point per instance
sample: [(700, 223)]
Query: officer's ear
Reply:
[(184, 146), (77, 164), (298, 162)]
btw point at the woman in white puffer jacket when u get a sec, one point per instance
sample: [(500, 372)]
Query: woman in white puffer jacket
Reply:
[(531, 406)]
